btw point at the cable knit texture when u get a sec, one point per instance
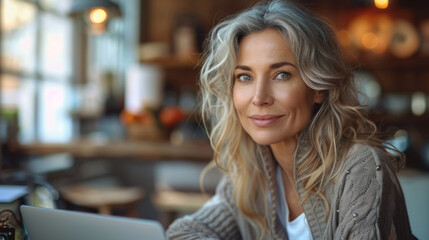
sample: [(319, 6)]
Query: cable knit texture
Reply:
[(366, 203)]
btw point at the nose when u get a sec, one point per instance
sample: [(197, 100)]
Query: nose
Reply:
[(262, 94)]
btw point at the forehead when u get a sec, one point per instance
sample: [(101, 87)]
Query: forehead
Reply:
[(265, 45)]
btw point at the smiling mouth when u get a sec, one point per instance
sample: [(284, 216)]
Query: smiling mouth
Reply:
[(265, 120)]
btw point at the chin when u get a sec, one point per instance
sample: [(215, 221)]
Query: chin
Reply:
[(265, 140)]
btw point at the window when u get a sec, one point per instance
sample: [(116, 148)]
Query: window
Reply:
[(41, 63), (36, 66)]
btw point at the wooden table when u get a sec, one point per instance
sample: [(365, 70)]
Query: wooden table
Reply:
[(148, 153), (126, 149)]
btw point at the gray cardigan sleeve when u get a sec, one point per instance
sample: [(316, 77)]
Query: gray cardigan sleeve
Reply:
[(215, 220)]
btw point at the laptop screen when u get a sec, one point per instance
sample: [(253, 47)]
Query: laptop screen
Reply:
[(54, 224)]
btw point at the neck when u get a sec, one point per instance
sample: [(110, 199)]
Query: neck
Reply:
[(284, 154)]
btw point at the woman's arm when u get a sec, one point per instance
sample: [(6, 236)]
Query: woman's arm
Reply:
[(215, 220)]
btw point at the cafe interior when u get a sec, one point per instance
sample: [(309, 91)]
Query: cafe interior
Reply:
[(99, 100)]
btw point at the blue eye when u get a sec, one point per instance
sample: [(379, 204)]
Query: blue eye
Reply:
[(244, 77), (283, 75)]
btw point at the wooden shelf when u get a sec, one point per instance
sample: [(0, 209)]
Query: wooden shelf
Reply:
[(126, 149)]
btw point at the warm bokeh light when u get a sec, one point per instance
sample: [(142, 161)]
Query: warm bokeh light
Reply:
[(405, 39), (381, 47), (98, 15), (381, 4), (344, 38), (370, 40)]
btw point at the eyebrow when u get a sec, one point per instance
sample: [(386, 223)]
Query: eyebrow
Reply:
[(272, 66), (281, 64)]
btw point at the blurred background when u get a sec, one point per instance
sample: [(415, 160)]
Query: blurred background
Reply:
[(98, 99)]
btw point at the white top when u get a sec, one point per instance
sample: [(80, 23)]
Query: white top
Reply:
[(298, 228)]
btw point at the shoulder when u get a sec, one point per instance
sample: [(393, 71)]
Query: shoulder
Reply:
[(367, 161), (366, 172), (361, 176)]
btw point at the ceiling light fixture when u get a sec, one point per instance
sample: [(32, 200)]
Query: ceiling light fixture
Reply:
[(96, 13)]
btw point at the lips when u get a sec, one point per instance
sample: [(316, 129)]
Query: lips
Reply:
[(265, 120)]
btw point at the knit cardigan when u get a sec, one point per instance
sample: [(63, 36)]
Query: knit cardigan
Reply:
[(366, 202)]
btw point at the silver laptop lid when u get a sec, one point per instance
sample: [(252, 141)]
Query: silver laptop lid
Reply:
[(55, 224)]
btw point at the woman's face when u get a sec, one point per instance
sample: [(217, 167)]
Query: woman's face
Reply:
[(272, 101)]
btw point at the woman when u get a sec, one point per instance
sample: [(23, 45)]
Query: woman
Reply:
[(301, 159)]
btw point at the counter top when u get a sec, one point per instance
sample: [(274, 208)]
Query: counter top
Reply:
[(125, 149)]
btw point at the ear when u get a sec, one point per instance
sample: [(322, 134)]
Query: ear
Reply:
[(319, 97)]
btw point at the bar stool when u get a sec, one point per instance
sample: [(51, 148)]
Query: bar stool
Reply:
[(105, 199)]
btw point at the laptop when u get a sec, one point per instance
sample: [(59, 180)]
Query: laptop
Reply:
[(55, 224)]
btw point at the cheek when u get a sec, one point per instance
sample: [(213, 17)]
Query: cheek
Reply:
[(239, 99), (288, 98), (296, 100)]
